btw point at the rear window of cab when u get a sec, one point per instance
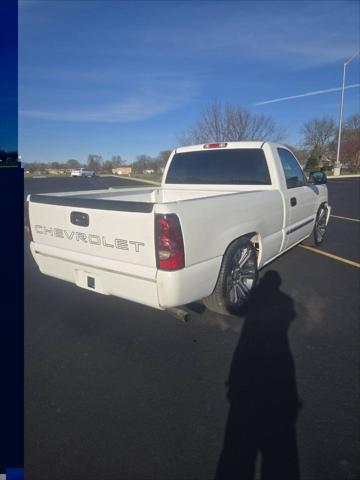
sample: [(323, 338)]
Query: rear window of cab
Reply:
[(245, 166)]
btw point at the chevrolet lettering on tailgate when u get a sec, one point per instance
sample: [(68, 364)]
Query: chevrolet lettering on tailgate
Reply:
[(89, 238)]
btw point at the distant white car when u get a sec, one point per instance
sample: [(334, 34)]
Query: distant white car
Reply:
[(82, 172)]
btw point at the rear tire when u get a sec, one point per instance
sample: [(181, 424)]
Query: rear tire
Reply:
[(237, 277)]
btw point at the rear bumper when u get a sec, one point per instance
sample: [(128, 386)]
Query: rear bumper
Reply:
[(148, 286), (128, 281), (189, 284)]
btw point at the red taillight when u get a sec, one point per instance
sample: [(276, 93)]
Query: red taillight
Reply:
[(215, 145), (169, 242), (27, 222)]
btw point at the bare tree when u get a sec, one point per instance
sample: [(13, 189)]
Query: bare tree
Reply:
[(146, 162), (162, 159), (72, 163), (301, 154), (353, 122), (117, 161), (142, 163), (221, 123), (107, 166), (318, 134), (95, 162)]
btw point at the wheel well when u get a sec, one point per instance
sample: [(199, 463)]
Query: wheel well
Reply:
[(255, 239)]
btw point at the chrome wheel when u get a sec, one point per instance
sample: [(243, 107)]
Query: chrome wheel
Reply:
[(242, 276), (320, 224), (237, 277)]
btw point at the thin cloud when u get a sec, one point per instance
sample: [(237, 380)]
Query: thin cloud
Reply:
[(308, 31), (307, 94), (253, 34), (130, 109)]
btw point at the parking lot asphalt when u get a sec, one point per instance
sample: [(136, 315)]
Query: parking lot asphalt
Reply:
[(116, 390)]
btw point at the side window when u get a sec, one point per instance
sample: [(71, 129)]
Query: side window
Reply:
[(293, 172)]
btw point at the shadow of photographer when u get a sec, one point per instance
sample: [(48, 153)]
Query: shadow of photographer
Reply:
[(262, 391)]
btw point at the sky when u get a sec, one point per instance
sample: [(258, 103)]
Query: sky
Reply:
[(128, 77)]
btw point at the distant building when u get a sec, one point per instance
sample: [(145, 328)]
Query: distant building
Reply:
[(122, 171)]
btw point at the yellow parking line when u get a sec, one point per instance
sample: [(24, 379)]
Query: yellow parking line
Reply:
[(330, 255), (346, 218)]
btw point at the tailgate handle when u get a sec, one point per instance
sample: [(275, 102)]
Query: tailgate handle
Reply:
[(80, 219)]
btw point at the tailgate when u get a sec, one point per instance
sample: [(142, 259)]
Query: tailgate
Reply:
[(113, 230)]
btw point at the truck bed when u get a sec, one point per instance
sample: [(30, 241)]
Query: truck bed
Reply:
[(132, 199)]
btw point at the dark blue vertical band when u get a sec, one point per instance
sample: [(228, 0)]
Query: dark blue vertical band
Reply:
[(11, 255), (12, 319)]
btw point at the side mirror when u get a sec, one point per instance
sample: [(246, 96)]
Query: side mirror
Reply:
[(318, 178)]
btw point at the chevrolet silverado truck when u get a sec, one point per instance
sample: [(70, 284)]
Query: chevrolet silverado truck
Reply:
[(222, 212)]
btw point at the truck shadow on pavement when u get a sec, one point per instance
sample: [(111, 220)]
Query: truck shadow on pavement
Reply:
[(262, 391)]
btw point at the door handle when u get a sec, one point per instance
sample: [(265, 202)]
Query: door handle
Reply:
[(293, 201)]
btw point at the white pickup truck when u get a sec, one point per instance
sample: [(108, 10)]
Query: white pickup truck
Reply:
[(222, 212)]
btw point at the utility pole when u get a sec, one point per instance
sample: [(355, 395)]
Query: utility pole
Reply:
[(337, 164)]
